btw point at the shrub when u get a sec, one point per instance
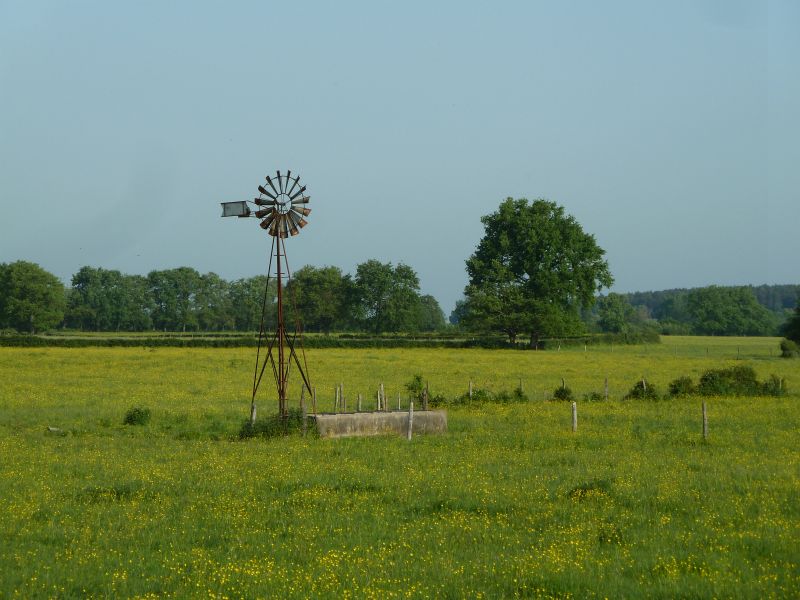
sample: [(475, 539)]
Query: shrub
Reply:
[(518, 395), (436, 400), (642, 391), (734, 381), (416, 387), (137, 416), (789, 349), (563, 393), (682, 386), (416, 390), (273, 425), (774, 386), (594, 397), (479, 396)]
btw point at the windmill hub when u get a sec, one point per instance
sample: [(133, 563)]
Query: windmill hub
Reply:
[(283, 204)]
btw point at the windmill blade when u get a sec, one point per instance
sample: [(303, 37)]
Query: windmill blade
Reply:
[(301, 211), (272, 185), (285, 223), (273, 228), (265, 224), (300, 191), (280, 182), (264, 202), (297, 220), (303, 200), (266, 192), (293, 231), (294, 185), (264, 212)]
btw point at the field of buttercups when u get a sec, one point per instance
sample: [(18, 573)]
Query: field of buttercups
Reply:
[(509, 503)]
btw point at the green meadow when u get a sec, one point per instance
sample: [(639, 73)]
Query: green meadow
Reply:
[(509, 503)]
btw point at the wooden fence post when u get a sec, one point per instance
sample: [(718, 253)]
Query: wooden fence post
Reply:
[(398, 400), (605, 388), (303, 410), (314, 400), (574, 417), (470, 389), (425, 397), (359, 403), (410, 420), (705, 421)]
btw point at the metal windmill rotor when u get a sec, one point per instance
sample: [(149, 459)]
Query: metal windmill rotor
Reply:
[(282, 208)]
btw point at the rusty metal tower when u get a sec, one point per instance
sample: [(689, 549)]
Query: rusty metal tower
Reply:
[(282, 206)]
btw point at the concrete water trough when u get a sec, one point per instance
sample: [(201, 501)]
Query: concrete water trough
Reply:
[(379, 423)]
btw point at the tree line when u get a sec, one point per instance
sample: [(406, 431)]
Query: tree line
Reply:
[(715, 310), (535, 274), (712, 310), (379, 297)]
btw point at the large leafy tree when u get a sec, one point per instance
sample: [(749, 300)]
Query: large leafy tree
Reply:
[(729, 311), (533, 272), (138, 302), (386, 296), (212, 303), (321, 296), (615, 313), (430, 316), (246, 299), (31, 299), (792, 327), (459, 312), (174, 293), (107, 300)]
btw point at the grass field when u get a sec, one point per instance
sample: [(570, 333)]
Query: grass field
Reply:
[(510, 503)]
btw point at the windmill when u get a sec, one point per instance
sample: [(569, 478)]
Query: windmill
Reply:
[(282, 207)]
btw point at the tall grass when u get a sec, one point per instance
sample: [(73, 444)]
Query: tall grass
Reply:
[(509, 503)]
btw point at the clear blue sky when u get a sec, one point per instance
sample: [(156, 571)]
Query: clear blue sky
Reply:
[(670, 130)]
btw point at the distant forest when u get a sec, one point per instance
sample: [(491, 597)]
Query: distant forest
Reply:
[(717, 310), (777, 298), (377, 298)]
